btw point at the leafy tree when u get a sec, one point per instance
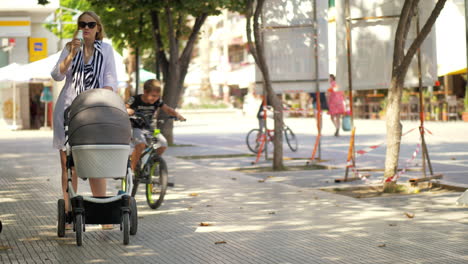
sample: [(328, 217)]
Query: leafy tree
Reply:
[(174, 27), (65, 22), (401, 62)]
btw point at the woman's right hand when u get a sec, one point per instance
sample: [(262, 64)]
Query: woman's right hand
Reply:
[(75, 45)]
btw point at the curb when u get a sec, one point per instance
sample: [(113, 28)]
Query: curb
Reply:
[(210, 111), (459, 187)]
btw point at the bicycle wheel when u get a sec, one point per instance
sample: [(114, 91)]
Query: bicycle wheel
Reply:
[(157, 183), (291, 139), (133, 217), (253, 140)]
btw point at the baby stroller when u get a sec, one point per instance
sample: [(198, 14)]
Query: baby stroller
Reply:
[(98, 132)]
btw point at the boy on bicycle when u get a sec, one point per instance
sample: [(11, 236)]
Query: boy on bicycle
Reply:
[(147, 104)]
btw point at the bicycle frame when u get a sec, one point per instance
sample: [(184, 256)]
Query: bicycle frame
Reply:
[(149, 150), (270, 133)]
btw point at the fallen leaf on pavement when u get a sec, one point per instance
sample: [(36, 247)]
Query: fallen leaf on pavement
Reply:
[(209, 205), (268, 177), (193, 194), (233, 179), (453, 158), (409, 215), (189, 208), (381, 245), (220, 242), (272, 213), (205, 224), (4, 247), (392, 224), (261, 180)]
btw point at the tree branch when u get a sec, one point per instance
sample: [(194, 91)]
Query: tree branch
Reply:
[(174, 49), (258, 39), (187, 52), (158, 43), (422, 35), (248, 14), (401, 32), (179, 27)]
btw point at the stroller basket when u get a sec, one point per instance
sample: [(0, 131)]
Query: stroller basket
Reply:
[(99, 134)]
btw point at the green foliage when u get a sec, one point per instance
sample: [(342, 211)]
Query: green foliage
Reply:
[(67, 16)]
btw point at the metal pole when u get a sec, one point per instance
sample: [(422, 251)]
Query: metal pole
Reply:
[(262, 36), (350, 78), (317, 84), (421, 101)]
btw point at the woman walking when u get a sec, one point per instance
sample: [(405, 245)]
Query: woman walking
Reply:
[(85, 64), (336, 105)]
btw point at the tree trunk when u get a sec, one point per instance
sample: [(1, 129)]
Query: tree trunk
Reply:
[(259, 56), (174, 68), (394, 129), (401, 63)]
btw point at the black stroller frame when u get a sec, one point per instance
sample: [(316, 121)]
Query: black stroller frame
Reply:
[(83, 210)]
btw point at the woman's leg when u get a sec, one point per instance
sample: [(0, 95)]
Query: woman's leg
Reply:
[(63, 163), (335, 119), (98, 187), (338, 121)]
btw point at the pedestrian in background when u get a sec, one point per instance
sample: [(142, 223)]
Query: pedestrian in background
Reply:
[(85, 64), (336, 104)]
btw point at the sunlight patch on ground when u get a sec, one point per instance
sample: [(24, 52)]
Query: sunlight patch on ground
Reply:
[(141, 253), (7, 200), (159, 211), (229, 228), (10, 156), (370, 215)]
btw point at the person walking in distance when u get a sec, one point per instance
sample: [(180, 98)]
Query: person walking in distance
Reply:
[(336, 105), (85, 63)]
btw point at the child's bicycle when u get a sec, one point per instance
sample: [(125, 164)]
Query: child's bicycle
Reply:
[(255, 137), (151, 169)]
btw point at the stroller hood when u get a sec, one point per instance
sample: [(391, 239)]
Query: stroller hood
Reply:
[(98, 117)]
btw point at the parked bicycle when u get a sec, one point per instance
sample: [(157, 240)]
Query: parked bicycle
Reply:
[(151, 169), (256, 136)]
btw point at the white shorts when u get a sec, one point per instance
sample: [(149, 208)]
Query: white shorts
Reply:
[(138, 137)]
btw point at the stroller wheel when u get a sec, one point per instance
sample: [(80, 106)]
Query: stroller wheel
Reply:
[(61, 218), (79, 229), (126, 228), (133, 217)]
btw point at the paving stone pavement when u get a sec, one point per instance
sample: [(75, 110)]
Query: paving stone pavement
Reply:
[(260, 222)]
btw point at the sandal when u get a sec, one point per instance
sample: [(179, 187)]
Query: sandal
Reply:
[(107, 227)]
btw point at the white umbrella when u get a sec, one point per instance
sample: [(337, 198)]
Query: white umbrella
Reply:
[(14, 73)]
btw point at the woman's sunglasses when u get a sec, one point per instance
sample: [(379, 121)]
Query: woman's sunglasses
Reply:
[(91, 25)]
